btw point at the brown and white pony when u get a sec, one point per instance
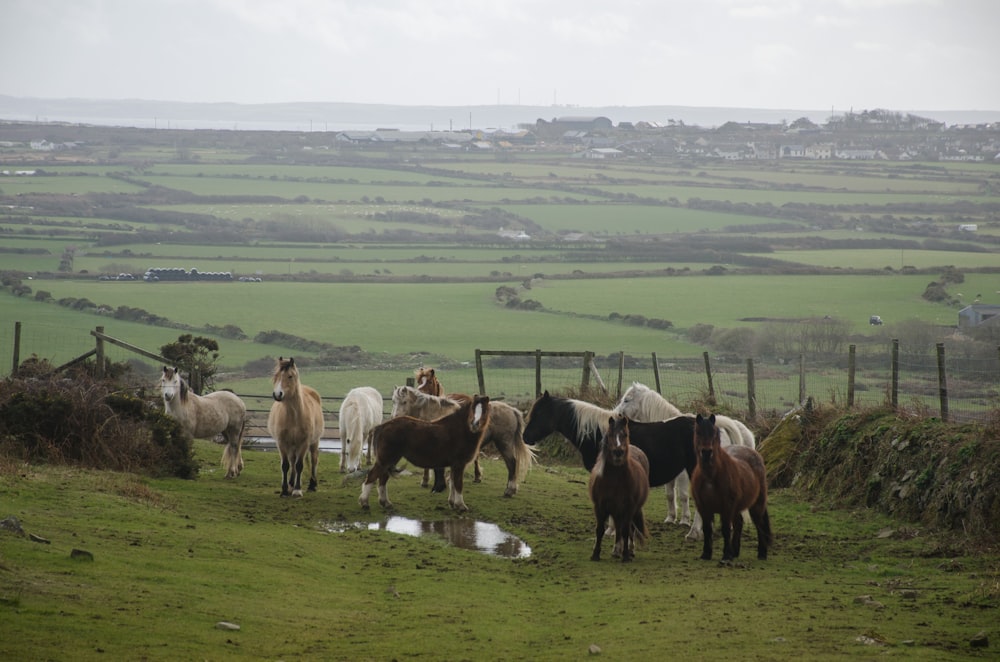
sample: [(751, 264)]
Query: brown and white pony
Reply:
[(427, 382), (451, 441), (296, 424), (204, 417), (618, 488), (727, 481)]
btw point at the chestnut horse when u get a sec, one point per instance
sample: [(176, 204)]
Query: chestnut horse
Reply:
[(452, 441), (505, 431), (618, 488), (203, 417), (427, 381), (296, 424), (728, 481)]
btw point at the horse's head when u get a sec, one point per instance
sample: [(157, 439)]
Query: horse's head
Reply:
[(285, 380), (706, 438), (615, 443), (426, 381), (171, 384), (541, 420), (631, 401), (479, 412), (403, 398)]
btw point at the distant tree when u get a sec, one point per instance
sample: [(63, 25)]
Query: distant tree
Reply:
[(195, 355)]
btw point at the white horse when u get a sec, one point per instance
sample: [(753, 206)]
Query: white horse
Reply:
[(643, 404), (204, 417), (360, 412)]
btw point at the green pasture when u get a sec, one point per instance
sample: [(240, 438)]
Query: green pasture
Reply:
[(351, 192), (329, 173), (725, 300), (862, 258), (65, 185), (610, 218)]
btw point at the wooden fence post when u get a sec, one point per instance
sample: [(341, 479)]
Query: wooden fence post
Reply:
[(850, 375), (479, 372), (585, 380), (802, 378), (656, 372), (751, 391), (708, 373), (99, 358), (621, 372), (16, 362), (894, 394), (942, 382), (538, 373)]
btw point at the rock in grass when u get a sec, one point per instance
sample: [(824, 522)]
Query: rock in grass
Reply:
[(225, 625), (11, 524), (81, 555), (980, 640)]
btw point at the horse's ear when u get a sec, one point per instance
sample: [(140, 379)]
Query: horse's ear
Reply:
[(291, 362), (546, 394), (711, 419), (698, 418)]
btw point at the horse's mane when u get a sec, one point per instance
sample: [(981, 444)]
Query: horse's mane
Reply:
[(591, 420), (651, 405)]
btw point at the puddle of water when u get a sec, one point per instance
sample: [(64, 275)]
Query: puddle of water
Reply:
[(462, 533)]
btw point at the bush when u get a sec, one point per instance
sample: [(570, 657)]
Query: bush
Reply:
[(89, 423)]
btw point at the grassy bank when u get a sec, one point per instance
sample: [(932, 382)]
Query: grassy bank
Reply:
[(172, 558)]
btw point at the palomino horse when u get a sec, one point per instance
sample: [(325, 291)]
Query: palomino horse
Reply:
[(360, 412), (728, 481), (618, 488), (504, 431), (203, 417), (451, 441), (641, 403), (296, 423)]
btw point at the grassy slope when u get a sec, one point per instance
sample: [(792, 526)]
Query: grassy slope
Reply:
[(172, 558)]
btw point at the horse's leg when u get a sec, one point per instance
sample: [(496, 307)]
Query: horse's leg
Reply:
[(599, 533), (477, 476), (726, 524), (232, 458), (345, 445), (366, 487), (300, 460), (737, 534), (671, 503), (383, 491), (313, 461), (509, 455), (762, 522), (427, 479), (623, 536), (456, 499), (683, 495), (706, 531), (286, 464), (695, 533)]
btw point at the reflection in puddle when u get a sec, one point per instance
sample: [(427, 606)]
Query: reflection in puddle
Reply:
[(462, 533)]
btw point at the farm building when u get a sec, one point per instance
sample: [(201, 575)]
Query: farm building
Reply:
[(976, 314)]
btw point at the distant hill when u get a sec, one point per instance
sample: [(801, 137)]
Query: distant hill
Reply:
[(305, 116)]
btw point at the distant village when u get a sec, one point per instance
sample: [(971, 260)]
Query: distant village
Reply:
[(865, 135)]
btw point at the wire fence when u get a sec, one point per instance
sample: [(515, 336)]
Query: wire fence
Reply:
[(955, 388)]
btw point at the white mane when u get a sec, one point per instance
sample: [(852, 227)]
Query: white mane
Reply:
[(641, 403), (590, 419)]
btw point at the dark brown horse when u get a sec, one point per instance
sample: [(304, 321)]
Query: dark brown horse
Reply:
[(451, 441), (728, 481), (619, 486)]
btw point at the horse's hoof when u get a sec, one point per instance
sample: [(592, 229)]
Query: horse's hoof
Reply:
[(477, 480), (705, 558), (509, 493), (669, 519), (595, 557), (297, 494), (685, 522)]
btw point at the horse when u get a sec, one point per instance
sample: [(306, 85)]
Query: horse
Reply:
[(203, 417), (360, 412), (296, 423), (728, 481), (504, 431), (427, 381), (641, 403), (667, 444), (618, 488), (451, 441)]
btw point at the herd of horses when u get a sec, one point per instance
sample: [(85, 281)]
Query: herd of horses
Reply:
[(644, 442)]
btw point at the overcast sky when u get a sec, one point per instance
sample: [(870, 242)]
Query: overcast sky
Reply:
[(796, 54)]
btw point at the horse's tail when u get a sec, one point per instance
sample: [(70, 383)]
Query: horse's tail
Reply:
[(523, 453), (639, 529)]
